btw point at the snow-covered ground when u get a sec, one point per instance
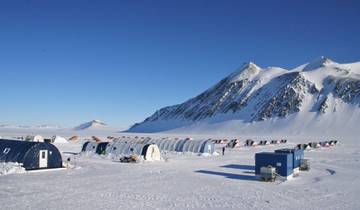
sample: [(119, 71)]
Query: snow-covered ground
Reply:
[(189, 182)]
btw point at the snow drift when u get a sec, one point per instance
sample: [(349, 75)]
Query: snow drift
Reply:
[(10, 168)]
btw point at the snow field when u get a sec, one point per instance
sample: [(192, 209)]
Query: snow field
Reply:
[(189, 182)]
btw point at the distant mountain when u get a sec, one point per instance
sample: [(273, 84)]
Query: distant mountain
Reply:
[(92, 125), (45, 126), (321, 91)]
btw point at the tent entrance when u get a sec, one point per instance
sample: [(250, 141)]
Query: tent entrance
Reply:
[(43, 159)]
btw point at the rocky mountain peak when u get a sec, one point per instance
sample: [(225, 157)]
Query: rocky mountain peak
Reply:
[(320, 62)]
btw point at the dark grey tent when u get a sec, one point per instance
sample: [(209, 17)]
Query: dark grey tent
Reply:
[(264, 142), (120, 148), (31, 155), (324, 143), (83, 149), (314, 145), (283, 141), (333, 142), (302, 146), (249, 142), (89, 146), (101, 148)]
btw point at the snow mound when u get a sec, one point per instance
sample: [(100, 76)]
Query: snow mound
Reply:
[(11, 168)]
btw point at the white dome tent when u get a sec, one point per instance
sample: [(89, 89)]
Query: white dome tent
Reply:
[(120, 148), (59, 140), (36, 138), (149, 152), (194, 146), (89, 147)]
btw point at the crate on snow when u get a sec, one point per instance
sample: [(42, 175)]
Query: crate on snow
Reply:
[(283, 162), (268, 173), (304, 165)]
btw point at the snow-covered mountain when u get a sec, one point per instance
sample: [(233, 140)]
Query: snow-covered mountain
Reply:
[(92, 125), (44, 126), (321, 90)]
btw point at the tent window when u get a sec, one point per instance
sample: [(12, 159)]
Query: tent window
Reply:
[(43, 155), (6, 150)]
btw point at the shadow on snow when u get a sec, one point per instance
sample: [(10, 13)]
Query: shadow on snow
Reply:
[(242, 167), (228, 175), (248, 169)]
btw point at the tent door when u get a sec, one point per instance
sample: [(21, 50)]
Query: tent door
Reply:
[(43, 159)]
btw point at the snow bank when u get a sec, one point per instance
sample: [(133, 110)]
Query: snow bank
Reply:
[(11, 168)]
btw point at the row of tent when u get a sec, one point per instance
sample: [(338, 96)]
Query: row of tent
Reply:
[(140, 147), (142, 138), (118, 148), (315, 145), (175, 145), (38, 138), (249, 142)]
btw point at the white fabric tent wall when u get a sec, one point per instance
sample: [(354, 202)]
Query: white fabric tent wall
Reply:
[(126, 148), (194, 146), (152, 152), (91, 147), (38, 138), (59, 140)]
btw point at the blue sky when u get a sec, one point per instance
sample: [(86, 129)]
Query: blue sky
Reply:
[(66, 62)]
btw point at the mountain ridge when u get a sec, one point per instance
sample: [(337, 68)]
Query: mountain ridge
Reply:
[(93, 124), (253, 94)]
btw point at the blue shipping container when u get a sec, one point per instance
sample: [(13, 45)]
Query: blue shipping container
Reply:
[(298, 154), (283, 162)]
